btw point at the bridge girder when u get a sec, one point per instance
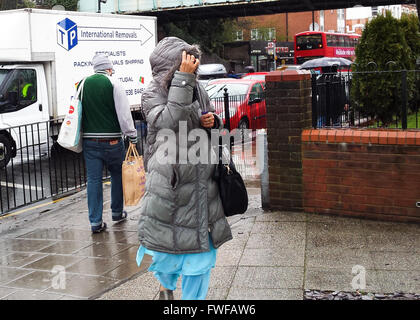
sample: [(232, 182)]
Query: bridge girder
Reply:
[(258, 7)]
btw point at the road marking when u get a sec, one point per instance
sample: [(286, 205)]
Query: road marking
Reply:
[(20, 186), (30, 208)]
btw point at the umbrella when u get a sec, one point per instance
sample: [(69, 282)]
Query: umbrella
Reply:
[(326, 62)]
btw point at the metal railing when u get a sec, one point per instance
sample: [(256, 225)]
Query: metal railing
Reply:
[(243, 112), (35, 167), (336, 103)]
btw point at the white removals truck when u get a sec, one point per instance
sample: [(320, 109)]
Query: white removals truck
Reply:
[(45, 53)]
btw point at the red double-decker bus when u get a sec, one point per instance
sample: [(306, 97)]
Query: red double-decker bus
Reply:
[(315, 44)]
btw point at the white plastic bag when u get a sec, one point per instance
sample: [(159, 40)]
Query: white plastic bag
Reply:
[(70, 136)]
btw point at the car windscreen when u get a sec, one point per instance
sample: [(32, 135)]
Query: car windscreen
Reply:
[(234, 89), (3, 75), (309, 42)]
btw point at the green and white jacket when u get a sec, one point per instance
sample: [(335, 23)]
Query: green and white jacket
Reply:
[(105, 109)]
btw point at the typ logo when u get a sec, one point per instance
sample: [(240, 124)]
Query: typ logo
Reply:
[(67, 34)]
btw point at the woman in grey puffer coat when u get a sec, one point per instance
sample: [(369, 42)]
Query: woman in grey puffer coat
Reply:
[(182, 220)]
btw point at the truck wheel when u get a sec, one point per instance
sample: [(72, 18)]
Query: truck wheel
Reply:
[(7, 150)]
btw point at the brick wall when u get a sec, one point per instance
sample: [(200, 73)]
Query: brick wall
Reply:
[(288, 101), (362, 173)]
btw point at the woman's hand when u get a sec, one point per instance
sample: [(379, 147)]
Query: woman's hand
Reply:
[(207, 120), (189, 63)]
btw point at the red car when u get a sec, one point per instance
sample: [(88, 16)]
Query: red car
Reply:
[(246, 101), (255, 76)]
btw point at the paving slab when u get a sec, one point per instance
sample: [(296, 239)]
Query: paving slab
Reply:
[(282, 216), (32, 295), (268, 278), (405, 281), (83, 286), (19, 259), (142, 287), (35, 280), (339, 279), (395, 260), (273, 257), (265, 294), (277, 240), (339, 258), (94, 266), (4, 292), (99, 249), (10, 274), (50, 261), (222, 277), (66, 247)]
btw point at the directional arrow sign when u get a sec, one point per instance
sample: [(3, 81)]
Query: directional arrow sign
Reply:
[(141, 34), (144, 34)]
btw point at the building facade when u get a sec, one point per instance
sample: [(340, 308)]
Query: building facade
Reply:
[(270, 37)]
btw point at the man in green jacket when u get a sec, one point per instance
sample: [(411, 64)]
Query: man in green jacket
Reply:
[(106, 116)]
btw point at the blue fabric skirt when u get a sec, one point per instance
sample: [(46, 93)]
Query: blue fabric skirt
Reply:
[(189, 264)]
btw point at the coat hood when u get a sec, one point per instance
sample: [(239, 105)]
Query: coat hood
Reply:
[(166, 58)]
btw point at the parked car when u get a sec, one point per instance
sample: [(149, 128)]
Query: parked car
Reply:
[(255, 76), (247, 108), (289, 67), (210, 71)]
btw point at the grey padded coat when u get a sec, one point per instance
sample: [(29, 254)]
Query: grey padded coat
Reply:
[(181, 205)]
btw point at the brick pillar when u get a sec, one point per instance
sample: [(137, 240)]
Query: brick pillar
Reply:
[(289, 112)]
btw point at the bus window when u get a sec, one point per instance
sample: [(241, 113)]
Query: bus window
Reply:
[(355, 42), (330, 40), (347, 42), (341, 41), (309, 42)]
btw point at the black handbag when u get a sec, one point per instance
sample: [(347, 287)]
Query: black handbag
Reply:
[(231, 187)]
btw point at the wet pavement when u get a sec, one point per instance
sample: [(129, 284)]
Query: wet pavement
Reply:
[(286, 255), (49, 252)]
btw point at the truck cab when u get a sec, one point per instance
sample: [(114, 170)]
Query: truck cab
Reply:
[(23, 103)]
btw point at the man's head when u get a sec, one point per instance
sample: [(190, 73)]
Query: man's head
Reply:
[(101, 62)]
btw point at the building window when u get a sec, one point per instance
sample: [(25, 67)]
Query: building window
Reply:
[(271, 34), (239, 35), (341, 22), (255, 34)]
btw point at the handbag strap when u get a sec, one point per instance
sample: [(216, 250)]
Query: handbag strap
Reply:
[(80, 89), (132, 151)]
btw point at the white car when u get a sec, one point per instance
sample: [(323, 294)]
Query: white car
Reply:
[(210, 71)]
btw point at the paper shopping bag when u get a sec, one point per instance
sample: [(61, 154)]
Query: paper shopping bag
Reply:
[(70, 135), (133, 177)]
